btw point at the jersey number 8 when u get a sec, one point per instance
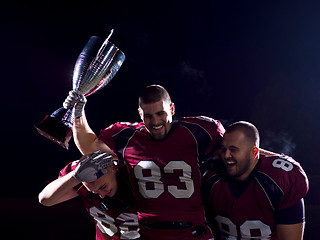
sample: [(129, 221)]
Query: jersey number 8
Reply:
[(282, 164)]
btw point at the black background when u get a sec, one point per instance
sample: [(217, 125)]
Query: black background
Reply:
[(230, 60)]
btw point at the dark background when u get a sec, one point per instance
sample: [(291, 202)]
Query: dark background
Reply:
[(230, 60)]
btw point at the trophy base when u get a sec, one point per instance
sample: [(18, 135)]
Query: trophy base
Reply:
[(53, 129)]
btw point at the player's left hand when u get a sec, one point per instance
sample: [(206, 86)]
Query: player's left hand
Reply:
[(92, 166)]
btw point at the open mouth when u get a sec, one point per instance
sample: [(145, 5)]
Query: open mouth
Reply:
[(230, 163), (157, 127)]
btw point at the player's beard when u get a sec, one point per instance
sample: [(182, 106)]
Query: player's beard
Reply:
[(158, 134), (160, 131), (241, 167)]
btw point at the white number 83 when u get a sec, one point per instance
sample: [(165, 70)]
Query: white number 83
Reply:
[(151, 186)]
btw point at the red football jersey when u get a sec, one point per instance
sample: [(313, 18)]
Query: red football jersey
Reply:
[(166, 174), (250, 210), (115, 219)]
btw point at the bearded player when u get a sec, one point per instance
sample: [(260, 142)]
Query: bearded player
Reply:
[(163, 159), (258, 197), (105, 191)]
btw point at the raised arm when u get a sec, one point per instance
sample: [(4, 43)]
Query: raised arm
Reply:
[(90, 168), (60, 190), (84, 138)]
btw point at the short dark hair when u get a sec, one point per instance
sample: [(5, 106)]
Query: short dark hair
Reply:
[(154, 93), (250, 131)]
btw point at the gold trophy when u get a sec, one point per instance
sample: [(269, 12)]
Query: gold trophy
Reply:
[(95, 67)]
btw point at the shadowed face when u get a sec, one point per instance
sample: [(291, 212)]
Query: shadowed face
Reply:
[(106, 185)]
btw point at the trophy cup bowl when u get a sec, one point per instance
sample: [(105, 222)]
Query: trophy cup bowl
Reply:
[(95, 67)]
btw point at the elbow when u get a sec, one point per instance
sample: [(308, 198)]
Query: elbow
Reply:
[(44, 200)]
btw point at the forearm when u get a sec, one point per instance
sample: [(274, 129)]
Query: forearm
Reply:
[(83, 135), (60, 190), (85, 139)]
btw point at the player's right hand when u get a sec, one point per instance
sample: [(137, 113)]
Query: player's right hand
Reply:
[(76, 100), (92, 166)]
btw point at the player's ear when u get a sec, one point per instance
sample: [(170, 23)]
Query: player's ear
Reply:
[(113, 168), (140, 112), (255, 152), (172, 109)]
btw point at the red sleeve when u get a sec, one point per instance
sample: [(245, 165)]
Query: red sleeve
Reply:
[(107, 134), (298, 187), (68, 168), (289, 176), (216, 135), (215, 130)]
